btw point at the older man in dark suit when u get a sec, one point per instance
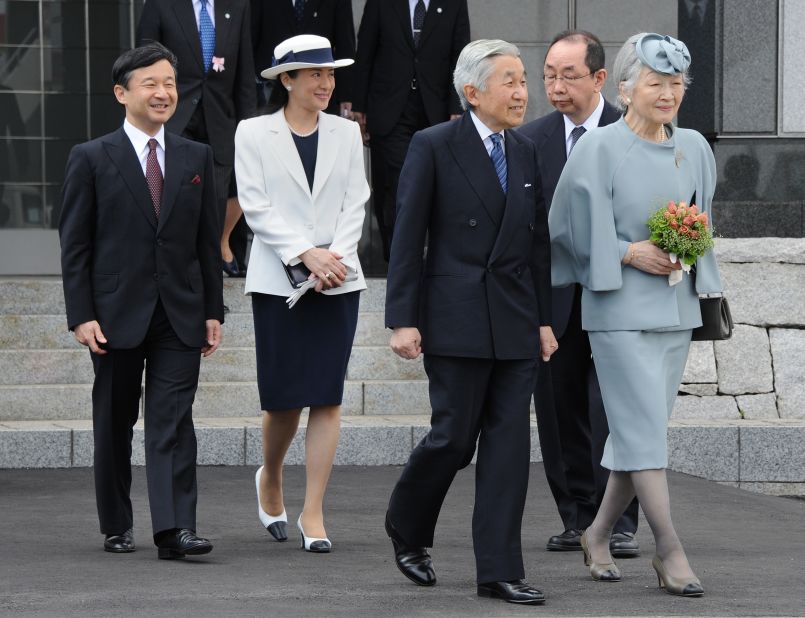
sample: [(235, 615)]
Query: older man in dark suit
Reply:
[(273, 21), (570, 413), (478, 306), (139, 236), (401, 83), (212, 40)]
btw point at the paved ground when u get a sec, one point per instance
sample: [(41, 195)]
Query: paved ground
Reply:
[(747, 548)]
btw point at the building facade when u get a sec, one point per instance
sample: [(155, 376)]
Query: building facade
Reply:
[(56, 91)]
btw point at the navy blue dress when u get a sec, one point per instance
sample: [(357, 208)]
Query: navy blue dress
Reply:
[(303, 353)]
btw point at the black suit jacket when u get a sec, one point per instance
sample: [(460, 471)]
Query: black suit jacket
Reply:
[(548, 134), (117, 259), (485, 286), (273, 21), (228, 96), (387, 60)]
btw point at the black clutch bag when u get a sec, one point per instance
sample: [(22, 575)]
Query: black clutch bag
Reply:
[(716, 320), (297, 274)]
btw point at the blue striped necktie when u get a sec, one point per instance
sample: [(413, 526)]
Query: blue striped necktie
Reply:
[(206, 32), (499, 160)]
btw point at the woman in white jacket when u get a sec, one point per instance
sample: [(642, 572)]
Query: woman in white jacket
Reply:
[(302, 186)]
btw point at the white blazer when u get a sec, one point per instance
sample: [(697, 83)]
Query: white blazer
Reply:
[(286, 217)]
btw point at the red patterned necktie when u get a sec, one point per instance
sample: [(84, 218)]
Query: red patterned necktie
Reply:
[(153, 175)]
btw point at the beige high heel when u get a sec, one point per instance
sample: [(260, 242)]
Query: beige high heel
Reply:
[(608, 572), (683, 587)]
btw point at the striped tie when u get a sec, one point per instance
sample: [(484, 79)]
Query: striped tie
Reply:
[(575, 135), (499, 160), (206, 32)]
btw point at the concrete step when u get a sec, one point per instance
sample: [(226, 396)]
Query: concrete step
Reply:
[(45, 296), (47, 332), (58, 402), (734, 452)]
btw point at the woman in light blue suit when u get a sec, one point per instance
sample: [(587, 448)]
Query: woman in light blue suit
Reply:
[(639, 326), (302, 187)]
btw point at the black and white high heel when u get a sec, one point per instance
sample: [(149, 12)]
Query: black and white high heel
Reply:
[(276, 525), (316, 546)]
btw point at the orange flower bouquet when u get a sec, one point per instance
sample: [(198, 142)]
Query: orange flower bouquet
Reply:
[(684, 232)]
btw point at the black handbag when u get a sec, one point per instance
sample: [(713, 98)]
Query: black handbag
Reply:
[(297, 274), (716, 320)]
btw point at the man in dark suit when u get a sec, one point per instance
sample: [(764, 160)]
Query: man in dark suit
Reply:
[(273, 21), (212, 40), (478, 306), (570, 413), (139, 236), (407, 50)]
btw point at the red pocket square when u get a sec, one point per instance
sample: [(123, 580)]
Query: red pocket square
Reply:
[(196, 180)]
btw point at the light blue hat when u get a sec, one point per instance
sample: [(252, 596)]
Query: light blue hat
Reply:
[(663, 54)]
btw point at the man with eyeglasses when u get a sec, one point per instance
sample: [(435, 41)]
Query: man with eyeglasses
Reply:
[(570, 413)]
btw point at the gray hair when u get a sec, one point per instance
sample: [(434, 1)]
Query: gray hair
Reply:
[(627, 69), (474, 66)]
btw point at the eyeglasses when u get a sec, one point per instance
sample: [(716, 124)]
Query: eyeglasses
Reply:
[(550, 80)]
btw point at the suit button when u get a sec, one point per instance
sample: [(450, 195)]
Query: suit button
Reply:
[(195, 101), (156, 276), (530, 227), (473, 223), (519, 270), (489, 269), (160, 242)]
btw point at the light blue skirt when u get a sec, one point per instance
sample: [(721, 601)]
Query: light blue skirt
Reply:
[(639, 373)]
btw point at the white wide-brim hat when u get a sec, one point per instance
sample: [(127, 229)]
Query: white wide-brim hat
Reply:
[(304, 51)]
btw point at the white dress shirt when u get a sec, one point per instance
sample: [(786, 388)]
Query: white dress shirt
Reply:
[(139, 140), (210, 10), (485, 132), (590, 124)]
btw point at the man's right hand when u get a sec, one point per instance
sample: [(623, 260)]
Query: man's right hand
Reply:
[(90, 335), (406, 342), (360, 118)]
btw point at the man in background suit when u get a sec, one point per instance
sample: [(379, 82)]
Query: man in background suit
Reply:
[(273, 21), (570, 413), (407, 50), (139, 237), (212, 40), (478, 306)]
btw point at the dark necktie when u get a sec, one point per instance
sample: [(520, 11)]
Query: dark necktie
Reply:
[(206, 32), (419, 20), (697, 13), (298, 10), (153, 176), (575, 134), (499, 160)]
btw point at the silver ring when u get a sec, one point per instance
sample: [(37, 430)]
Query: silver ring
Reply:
[(328, 276)]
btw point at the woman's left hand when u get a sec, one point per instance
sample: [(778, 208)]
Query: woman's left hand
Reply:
[(547, 342)]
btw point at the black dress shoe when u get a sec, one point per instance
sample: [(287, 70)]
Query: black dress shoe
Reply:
[(624, 545), (516, 591), (181, 543), (569, 540), (231, 268), (413, 562), (119, 543)]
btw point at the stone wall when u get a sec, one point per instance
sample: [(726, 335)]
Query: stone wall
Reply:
[(760, 372)]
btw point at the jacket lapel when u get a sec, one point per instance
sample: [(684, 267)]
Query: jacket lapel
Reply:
[(326, 153), (284, 149), (512, 214), (122, 154), (404, 15), (471, 156), (186, 18), (223, 25), (174, 166)]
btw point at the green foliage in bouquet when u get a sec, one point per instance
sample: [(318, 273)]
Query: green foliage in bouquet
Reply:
[(681, 229)]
